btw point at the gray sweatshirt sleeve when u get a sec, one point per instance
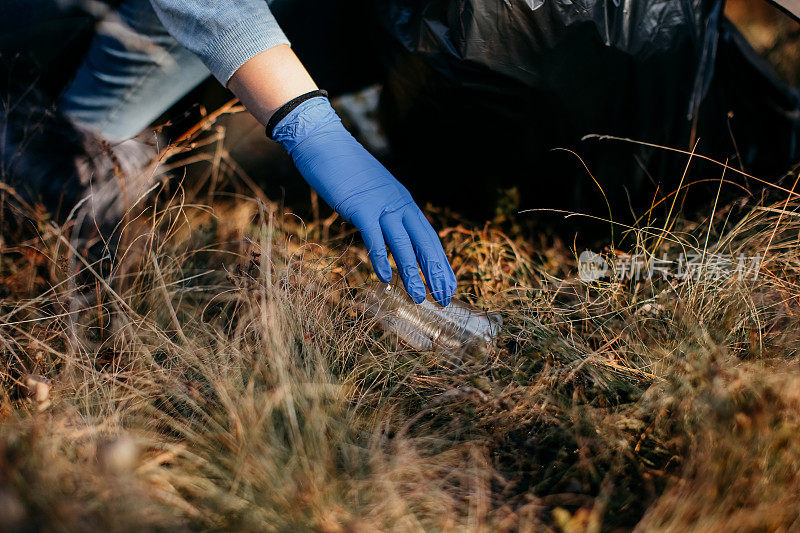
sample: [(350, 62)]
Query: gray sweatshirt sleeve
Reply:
[(224, 33)]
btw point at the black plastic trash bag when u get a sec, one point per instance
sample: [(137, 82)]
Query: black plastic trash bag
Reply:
[(484, 90), (532, 41)]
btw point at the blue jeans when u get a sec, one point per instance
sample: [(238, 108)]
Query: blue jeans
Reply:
[(133, 72), (129, 79)]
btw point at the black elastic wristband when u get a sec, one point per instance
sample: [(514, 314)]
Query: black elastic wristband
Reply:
[(287, 108)]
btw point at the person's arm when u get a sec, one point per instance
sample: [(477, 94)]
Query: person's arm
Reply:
[(225, 34), (343, 173), (268, 78)]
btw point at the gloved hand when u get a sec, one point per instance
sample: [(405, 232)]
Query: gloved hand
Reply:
[(362, 191)]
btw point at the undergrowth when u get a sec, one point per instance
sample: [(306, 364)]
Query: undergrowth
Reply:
[(225, 380)]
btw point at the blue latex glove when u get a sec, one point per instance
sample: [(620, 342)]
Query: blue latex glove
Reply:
[(362, 191)]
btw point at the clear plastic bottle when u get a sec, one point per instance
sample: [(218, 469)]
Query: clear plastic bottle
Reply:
[(456, 330)]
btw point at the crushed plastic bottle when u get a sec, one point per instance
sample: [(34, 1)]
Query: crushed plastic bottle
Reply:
[(456, 330)]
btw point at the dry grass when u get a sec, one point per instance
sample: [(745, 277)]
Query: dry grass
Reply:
[(235, 387)]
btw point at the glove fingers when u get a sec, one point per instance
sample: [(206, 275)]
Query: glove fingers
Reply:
[(403, 252), (430, 254), (376, 247)]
